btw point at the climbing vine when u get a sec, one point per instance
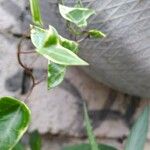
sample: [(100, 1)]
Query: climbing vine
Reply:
[(60, 53)]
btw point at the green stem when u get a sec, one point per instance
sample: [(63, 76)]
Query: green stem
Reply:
[(36, 12), (91, 136), (80, 3)]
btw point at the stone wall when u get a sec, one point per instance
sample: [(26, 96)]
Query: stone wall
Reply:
[(58, 114)]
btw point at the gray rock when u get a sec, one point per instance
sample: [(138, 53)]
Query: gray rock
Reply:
[(10, 71), (60, 110), (55, 111), (121, 60)]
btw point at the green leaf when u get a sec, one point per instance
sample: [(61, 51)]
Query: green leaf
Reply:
[(88, 147), (76, 15), (96, 33), (52, 37), (36, 12), (56, 74), (92, 140), (18, 146), (54, 47), (44, 38), (71, 45), (137, 137), (38, 36), (14, 121), (61, 55), (35, 141)]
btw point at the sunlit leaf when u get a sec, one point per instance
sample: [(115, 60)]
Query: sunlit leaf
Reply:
[(36, 12), (88, 147), (137, 137), (61, 55), (76, 15), (56, 74), (35, 141), (92, 140), (96, 33), (14, 120)]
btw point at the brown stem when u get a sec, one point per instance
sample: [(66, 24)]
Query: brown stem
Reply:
[(84, 38), (28, 70), (31, 90)]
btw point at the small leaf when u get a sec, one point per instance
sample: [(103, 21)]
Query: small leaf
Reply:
[(76, 15), (137, 137), (88, 147), (14, 121), (71, 45), (92, 140), (61, 55), (36, 12), (56, 74), (18, 146), (35, 141), (96, 33)]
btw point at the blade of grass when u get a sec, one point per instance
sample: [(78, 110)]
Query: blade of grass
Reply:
[(137, 137), (92, 140), (36, 12), (35, 141)]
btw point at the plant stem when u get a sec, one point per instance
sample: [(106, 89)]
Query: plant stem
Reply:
[(28, 70)]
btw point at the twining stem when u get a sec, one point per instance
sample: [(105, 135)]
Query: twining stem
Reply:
[(27, 69)]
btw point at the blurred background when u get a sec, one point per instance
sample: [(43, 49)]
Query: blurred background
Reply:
[(58, 114)]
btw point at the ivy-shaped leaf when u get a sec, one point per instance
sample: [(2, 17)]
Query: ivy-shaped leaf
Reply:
[(56, 74), (94, 33), (61, 55), (54, 47), (71, 45), (14, 121), (88, 147), (137, 137), (76, 15), (40, 36)]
